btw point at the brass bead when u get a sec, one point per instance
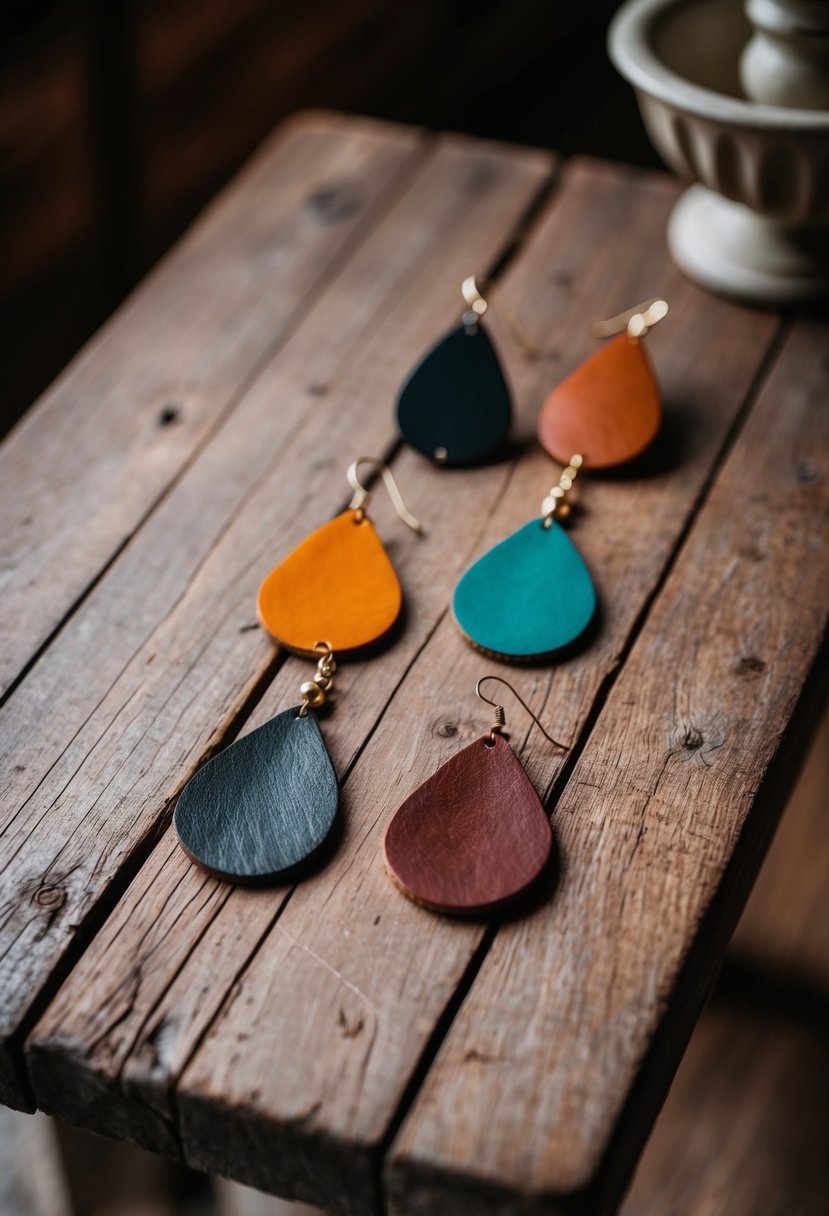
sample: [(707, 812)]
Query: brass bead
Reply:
[(311, 693)]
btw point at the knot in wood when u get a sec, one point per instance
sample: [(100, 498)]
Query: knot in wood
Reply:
[(334, 203), (444, 729), (50, 897)]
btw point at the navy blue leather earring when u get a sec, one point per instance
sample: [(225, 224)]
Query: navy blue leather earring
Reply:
[(455, 407)]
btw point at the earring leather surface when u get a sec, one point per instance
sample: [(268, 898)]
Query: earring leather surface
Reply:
[(456, 400), (337, 586), (528, 597), (474, 836), (263, 805), (609, 409)]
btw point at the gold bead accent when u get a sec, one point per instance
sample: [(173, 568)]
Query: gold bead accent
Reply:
[(311, 693), (556, 504)]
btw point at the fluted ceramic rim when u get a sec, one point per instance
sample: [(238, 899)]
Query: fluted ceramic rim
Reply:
[(629, 44)]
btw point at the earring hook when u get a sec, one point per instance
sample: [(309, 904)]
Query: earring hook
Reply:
[(361, 495), (478, 306), (500, 717), (637, 320)]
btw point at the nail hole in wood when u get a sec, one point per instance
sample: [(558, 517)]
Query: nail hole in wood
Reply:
[(750, 665), (169, 414)]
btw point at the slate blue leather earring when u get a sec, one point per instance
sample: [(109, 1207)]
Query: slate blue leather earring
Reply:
[(532, 594), (455, 406), (265, 804)]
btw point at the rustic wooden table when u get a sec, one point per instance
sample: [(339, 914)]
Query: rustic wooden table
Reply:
[(332, 1040)]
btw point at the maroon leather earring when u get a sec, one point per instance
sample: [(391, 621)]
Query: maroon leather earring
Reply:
[(474, 837)]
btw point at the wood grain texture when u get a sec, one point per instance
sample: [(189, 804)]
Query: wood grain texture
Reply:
[(312, 1120), (661, 827), (784, 927), (746, 1123), (92, 458), (185, 676)]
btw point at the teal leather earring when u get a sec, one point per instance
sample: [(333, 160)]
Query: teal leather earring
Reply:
[(532, 594), (455, 406)]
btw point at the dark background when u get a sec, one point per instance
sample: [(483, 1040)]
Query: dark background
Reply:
[(119, 119)]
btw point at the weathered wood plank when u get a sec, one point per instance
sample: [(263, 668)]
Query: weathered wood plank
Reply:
[(785, 924), (162, 658), (329, 1021), (88, 462), (746, 1123), (661, 827)]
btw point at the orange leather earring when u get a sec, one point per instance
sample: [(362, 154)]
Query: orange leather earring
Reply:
[(609, 408), (339, 583)]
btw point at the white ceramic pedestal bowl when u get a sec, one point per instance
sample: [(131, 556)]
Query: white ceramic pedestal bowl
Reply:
[(756, 224)]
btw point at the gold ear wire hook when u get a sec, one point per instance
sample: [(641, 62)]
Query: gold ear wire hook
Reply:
[(478, 305), (637, 320), (361, 495), (500, 717)]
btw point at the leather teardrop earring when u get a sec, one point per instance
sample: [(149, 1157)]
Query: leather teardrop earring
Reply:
[(455, 406), (339, 583), (609, 408), (474, 837), (264, 805), (531, 594)]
